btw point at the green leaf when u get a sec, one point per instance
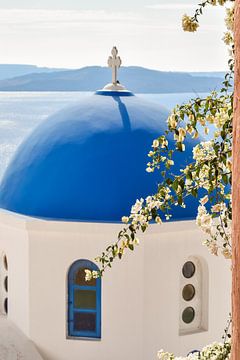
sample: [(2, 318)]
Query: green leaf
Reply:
[(175, 184), (225, 178)]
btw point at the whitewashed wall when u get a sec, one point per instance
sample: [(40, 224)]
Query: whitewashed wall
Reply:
[(166, 251), (14, 243), (140, 295)]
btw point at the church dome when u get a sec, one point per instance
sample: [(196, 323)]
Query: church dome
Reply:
[(88, 162)]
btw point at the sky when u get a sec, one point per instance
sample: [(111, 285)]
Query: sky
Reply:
[(77, 33)]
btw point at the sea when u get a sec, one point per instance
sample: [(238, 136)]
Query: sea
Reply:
[(21, 112)]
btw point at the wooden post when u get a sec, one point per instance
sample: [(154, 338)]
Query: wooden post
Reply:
[(235, 354)]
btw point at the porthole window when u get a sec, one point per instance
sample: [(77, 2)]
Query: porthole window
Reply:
[(84, 302), (188, 315), (5, 262), (6, 305), (193, 278), (188, 292), (6, 283), (188, 269)]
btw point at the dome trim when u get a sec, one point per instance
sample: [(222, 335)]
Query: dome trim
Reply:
[(114, 93)]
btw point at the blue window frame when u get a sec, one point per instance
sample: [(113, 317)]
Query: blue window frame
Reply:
[(84, 301)]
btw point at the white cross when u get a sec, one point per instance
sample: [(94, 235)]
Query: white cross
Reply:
[(114, 62)]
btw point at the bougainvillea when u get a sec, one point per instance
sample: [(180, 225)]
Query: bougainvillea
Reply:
[(207, 177)]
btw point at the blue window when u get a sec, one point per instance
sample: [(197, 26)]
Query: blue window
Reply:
[(84, 301)]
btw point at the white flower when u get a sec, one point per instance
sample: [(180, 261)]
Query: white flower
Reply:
[(204, 219), (228, 38), (148, 199), (172, 122), (229, 20), (151, 153), (164, 143), (189, 24), (125, 219), (138, 206), (95, 274), (204, 200), (158, 220), (88, 275), (227, 253), (204, 151), (229, 165), (213, 248), (214, 351), (170, 162), (188, 182), (155, 143), (181, 134), (139, 219), (216, 208), (164, 355)]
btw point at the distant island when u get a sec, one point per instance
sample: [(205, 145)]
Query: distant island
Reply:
[(137, 79), (8, 71)]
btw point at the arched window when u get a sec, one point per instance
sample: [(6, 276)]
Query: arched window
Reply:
[(84, 301)]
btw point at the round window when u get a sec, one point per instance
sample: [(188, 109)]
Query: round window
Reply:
[(188, 269), (6, 305), (6, 283), (188, 315), (188, 292), (5, 262)]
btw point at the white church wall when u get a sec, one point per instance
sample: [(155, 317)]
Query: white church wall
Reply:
[(141, 294), (53, 248), (14, 244), (166, 250)]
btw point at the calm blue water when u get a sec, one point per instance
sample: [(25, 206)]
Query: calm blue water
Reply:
[(20, 112)]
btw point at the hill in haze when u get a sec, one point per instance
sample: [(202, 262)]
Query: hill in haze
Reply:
[(136, 79), (8, 71)]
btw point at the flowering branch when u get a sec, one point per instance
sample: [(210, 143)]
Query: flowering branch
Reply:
[(191, 23), (208, 174)]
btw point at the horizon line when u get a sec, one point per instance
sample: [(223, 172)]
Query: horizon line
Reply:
[(124, 66)]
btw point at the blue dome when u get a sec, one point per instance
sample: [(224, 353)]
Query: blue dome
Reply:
[(88, 162)]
